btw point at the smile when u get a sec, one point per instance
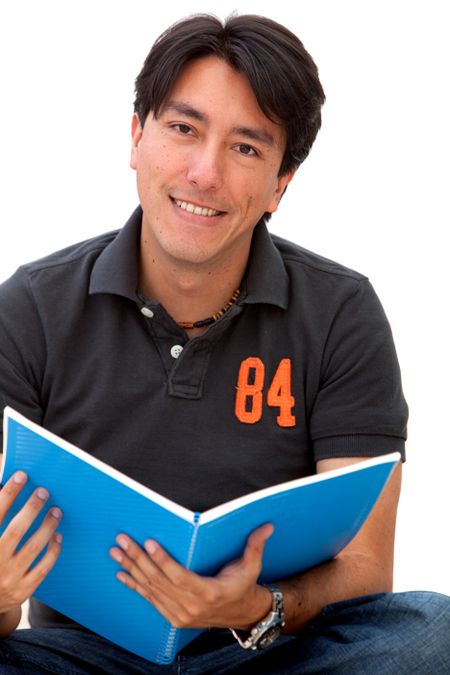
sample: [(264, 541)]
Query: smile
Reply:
[(197, 210)]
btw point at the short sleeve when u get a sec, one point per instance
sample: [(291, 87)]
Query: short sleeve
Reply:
[(22, 349), (360, 409)]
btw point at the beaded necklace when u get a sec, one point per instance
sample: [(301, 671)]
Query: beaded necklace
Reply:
[(206, 322)]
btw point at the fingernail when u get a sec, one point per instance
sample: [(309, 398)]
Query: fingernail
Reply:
[(56, 513), (57, 537), (20, 477), (42, 493), (150, 546), (122, 542), (118, 557)]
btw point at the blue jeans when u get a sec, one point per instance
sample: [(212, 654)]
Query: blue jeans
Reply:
[(389, 633)]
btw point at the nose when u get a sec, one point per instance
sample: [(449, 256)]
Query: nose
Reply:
[(205, 169)]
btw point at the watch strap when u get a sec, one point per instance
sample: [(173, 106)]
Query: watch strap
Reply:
[(271, 624)]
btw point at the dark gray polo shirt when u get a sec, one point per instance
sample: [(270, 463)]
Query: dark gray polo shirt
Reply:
[(301, 368)]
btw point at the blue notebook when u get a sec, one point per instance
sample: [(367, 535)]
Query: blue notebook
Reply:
[(314, 519)]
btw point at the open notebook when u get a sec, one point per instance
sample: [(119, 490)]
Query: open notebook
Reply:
[(314, 519)]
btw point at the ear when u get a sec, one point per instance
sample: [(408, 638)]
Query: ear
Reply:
[(136, 135), (282, 183)]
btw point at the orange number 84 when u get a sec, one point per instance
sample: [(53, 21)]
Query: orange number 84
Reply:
[(249, 394)]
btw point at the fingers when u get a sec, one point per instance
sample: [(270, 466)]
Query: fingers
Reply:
[(186, 599), (152, 564), (184, 602), (39, 540), (164, 572), (22, 521), (140, 571), (16, 587), (156, 565), (45, 564), (9, 492), (175, 573), (17, 580), (147, 579), (166, 604)]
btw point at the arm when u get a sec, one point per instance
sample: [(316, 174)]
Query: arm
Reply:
[(10, 620), (365, 566), (22, 355), (234, 599)]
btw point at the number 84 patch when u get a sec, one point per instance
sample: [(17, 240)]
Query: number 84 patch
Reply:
[(250, 388)]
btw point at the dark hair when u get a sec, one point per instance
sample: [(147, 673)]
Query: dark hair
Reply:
[(282, 74)]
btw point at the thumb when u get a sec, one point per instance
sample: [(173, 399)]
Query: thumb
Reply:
[(251, 561), (255, 544)]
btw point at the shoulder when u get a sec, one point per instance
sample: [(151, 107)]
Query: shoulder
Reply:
[(88, 249), (60, 267), (320, 286), (303, 262)]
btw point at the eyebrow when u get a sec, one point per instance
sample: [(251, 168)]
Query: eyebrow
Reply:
[(254, 134), (184, 109)]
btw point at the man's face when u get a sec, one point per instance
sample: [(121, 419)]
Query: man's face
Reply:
[(207, 168)]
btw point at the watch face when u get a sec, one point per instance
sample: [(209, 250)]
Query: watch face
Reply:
[(269, 637)]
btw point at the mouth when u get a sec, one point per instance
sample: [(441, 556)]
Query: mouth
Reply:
[(196, 209)]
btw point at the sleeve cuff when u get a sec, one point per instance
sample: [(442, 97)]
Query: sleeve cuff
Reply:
[(358, 445)]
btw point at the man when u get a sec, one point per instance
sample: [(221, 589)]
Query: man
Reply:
[(205, 358)]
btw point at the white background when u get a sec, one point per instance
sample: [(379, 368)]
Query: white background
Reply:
[(373, 194)]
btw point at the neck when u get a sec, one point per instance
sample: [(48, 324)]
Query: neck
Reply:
[(188, 293)]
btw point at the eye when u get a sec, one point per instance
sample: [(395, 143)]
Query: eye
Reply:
[(183, 129), (245, 149)]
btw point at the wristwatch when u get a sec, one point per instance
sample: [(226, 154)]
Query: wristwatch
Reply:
[(268, 629)]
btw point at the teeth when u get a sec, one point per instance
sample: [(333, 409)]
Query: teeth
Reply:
[(198, 210)]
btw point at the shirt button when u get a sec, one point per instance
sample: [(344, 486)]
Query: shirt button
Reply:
[(147, 312), (176, 350)]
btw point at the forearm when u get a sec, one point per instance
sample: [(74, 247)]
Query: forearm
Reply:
[(350, 575), (10, 620), (364, 567)]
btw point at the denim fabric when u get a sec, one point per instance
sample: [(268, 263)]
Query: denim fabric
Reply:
[(391, 633)]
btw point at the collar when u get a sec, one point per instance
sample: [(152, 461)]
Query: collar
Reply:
[(116, 271), (266, 279)]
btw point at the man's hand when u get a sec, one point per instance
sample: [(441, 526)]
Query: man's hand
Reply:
[(230, 599), (17, 581)]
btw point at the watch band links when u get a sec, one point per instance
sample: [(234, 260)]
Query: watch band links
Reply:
[(266, 631)]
